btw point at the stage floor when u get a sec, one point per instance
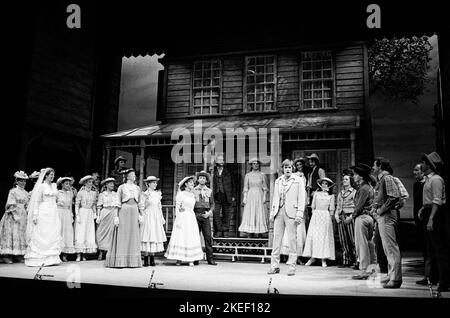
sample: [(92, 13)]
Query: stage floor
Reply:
[(237, 277)]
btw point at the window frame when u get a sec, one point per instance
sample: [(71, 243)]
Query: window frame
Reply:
[(275, 81), (333, 80), (192, 89)]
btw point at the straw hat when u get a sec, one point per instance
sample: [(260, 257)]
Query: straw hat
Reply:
[(151, 178), (185, 179), (63, 179), (330, 182), (21, 175), (299, 159), (86, 178), (35, 175), (107, 180)]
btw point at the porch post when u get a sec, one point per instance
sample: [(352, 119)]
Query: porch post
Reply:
[(352, 147), (275, 153), (141, 166), (108, 155)]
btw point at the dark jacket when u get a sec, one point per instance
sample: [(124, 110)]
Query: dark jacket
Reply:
[(228, 183)]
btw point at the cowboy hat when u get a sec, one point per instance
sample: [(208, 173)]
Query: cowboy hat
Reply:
[(330, 182), (151, 178), (362, 169), (433, 159), (20, 175), (63, 179), (86, 178), (107, 180), (185, 179), (314, 156), (119, 158), (204, 174)]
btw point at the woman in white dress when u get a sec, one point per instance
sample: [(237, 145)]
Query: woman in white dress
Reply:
[(254, 218), (108, 204), (153, 235), (320, 238), (85, 215), (65, 202), (13, 224), (185, 244), (43, 225)]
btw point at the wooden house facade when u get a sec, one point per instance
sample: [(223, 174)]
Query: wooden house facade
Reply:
[(316, 97)]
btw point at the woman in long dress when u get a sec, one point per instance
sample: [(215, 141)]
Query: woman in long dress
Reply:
[(85, 215), (320, 238), (153, 234), (13, 224), (185, 244), (254, 218), (43, 224), (108, 204), (65, 202), (125, 250)]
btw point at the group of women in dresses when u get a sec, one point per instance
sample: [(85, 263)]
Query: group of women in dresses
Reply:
[(39, 228)]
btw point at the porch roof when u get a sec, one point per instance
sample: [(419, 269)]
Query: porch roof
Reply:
[(285, 123)]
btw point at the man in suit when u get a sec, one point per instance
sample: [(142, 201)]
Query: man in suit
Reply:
[(287, 210), (224, 197)]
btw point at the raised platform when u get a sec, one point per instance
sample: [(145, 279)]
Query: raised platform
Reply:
[(238, 248)]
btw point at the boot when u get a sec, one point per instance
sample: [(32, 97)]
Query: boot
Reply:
[(64, 258), (146, 261), (152, 260), (100, 256), (7, 259)]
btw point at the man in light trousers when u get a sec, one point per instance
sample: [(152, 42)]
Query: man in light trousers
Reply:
[(287, 210)]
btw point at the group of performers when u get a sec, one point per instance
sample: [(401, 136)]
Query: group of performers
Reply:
[(123, 223)]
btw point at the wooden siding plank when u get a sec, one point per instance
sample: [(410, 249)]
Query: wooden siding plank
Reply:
[(348, 100), (349, 57), (179, 76), (343, 70), (349, 82), (350, 88), (351, 63), (350, 94), (349, 76)]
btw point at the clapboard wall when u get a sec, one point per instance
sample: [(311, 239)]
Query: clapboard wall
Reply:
[(349, 70)]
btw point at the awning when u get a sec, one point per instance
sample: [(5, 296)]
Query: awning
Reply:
[(285, 123)]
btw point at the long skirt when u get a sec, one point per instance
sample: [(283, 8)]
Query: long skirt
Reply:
[(254, 218), (46, 241), (105, 228), (85, 232), (301, 238), (320, 239), (125, 249), (13, 227), (185, 244), (66, 218), (153, 235)]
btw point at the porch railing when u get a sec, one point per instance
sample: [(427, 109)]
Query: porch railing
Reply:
[(168, 212)]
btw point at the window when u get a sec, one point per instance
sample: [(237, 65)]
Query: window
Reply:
[(260, 83), (206, 87), (316, 79)]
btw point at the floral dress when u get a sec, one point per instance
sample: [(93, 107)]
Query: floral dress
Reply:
[(13, 224)]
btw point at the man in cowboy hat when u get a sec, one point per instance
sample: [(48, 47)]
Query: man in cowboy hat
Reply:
[(119, 163), (204, 207), (435, 215), (224, 197), (387, 196), (288, 204), (364, 224)]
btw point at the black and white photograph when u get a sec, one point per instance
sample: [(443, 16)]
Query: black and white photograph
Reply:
[(219, 158)]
